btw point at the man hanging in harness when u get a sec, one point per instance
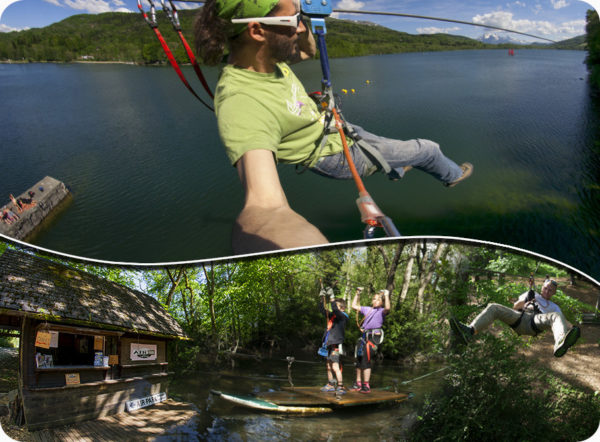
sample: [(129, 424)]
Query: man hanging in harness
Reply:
[(531, 314), (372, 336), (265, 117)]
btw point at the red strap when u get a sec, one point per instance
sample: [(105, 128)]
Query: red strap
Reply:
[(330, 322), (195, 65), (173, 62)]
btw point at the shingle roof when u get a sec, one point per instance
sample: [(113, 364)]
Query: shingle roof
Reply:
[(36, 287)]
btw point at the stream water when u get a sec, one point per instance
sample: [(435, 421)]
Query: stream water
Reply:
[(221, 420)]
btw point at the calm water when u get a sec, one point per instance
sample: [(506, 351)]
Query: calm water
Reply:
[(220, 420), (151, 182)]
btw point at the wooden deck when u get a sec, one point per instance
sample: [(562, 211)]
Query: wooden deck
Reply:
[(314, 396), (169, 419)]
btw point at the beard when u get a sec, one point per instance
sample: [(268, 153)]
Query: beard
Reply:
[(282, 47)]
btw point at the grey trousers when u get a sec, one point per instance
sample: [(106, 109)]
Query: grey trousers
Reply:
[(545, 321)]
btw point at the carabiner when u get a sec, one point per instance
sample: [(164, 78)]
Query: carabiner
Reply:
[(171, 12), (151, 21)]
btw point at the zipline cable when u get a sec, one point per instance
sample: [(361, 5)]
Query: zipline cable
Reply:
[(421, 17)]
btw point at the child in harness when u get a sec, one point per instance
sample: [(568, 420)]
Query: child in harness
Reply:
[(333, 340), (372, 335)]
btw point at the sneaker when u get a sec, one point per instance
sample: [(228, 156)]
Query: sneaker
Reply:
[(461, 331), (467, 169), (569, 340), (356, 386), (339, 391), (365, 388), (328, 388)]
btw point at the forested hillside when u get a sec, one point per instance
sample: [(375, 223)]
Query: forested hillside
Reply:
[(593, 46), (125, 37)]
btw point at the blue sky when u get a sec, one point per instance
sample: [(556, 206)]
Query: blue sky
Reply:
[(553, 19)]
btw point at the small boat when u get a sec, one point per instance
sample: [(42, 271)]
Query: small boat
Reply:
[(311, 400)]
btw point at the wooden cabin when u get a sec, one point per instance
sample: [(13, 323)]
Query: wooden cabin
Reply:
[(88, 347)]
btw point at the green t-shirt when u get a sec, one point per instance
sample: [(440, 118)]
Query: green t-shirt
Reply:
[(270, 111)]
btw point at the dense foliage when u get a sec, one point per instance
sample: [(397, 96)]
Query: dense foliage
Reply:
[(593, 45), (491, 394), (125, 37)]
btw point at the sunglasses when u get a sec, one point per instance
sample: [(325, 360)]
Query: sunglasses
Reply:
[(282, 20)]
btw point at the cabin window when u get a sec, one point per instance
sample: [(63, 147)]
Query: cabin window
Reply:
[(75, 349)]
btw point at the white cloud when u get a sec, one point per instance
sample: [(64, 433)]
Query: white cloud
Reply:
[(186, 5), (506, 20), (6, 28), (92, 6), (349, 4), (559, 4), (537, 9), (434, 30)]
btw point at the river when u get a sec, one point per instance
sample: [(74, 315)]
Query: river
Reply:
[(151, 182)]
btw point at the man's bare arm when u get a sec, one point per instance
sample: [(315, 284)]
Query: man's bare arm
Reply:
[(267, 222)]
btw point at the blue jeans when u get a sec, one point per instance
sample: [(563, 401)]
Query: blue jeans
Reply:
[(424, 155)]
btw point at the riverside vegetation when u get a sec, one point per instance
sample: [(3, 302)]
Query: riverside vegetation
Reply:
[(125, 37), (268, 307)]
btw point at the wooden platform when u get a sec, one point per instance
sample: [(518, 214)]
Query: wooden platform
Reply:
[(168, 420), (313, 395)]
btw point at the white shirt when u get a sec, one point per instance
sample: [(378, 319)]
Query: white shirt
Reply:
[(546, 306)]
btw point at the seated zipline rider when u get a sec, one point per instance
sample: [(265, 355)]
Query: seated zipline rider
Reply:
[(334, 339), (266, 117), (372, 336), (532, 314)]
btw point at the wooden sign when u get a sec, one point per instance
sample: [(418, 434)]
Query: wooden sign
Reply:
[(113, 359), (42, 339), (143, 352), (136, 404), (99, 343), (72, 378)]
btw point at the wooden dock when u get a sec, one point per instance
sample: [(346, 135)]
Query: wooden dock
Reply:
[(49, 194), (167, 420)]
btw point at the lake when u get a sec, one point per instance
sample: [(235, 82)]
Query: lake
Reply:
[(151, 182)]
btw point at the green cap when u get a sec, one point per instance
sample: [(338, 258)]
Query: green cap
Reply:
[(228, 9)]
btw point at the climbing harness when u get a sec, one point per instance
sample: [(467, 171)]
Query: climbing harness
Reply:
[(535, 310), (172, 14), (371, 214)]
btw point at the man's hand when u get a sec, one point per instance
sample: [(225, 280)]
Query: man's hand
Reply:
[(267, 222)]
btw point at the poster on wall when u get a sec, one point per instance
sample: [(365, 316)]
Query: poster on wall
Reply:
[(99, 343), (143, 352), (53, 339), (72, 378), (42, 339)]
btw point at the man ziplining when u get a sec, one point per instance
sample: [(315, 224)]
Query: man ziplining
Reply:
[(531, 314), (265, 117)]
